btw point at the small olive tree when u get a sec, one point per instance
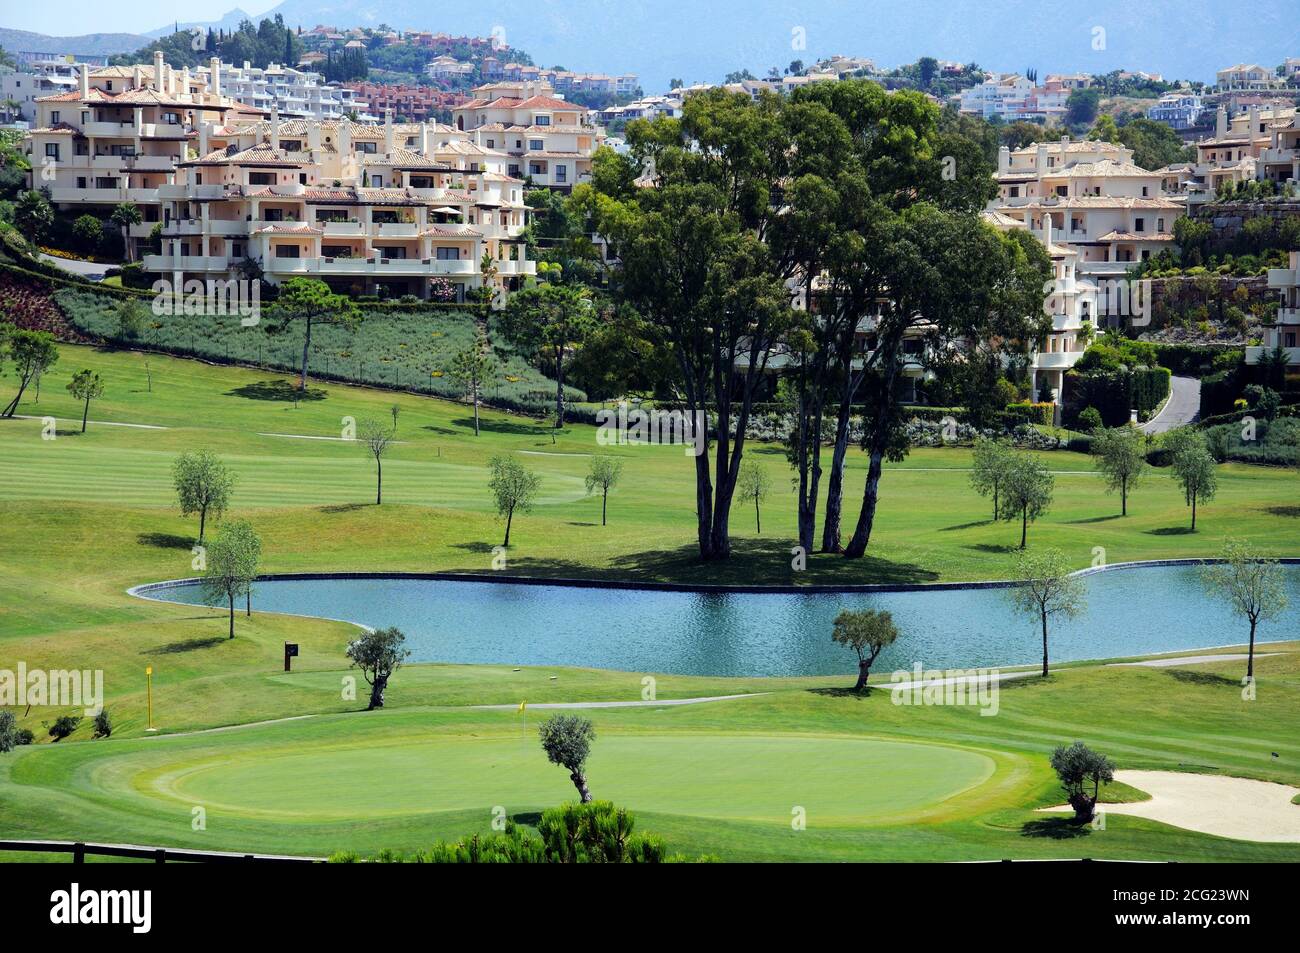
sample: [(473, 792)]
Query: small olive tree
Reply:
[(754, 484), (514, 488), (567, 739), (1252, 585), (1045, 588), (378, 654), (1194, 470), (474, 368), (1027, 492), (232, 561), (867, 632), (990, 460), (203, 485), (8, 731), (1078, 766), (85, 386), (1121, 460), (376, 439), (603, 475)]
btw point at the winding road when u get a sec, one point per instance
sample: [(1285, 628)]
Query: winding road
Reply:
[(1183, 406)]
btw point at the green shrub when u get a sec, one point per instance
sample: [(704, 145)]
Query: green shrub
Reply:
[(63, 726), (103, 724), (1090, 420), (595, 833), (1037, 413)]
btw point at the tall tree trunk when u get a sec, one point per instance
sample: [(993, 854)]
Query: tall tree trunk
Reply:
[(85, 412), (559, 387), (203, 520), (758, 518), (879, 441), (306, 347), (995, 501), (1193, 512), (232, 614), (248, 602), (580, 782), (835, 482), (1250, 657), (379, 481), (864, 669), (1043, 613), (1123, 497), (510, 515), (1024, 526), (13, 404), (377, 692), (604, 504), (476, 408)]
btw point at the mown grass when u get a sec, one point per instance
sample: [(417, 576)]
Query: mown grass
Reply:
[(85, 516)]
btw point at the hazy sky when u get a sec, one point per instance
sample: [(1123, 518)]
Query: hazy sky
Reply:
[(74, 17)]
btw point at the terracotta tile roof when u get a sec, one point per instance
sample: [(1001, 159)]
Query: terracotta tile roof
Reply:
[(1118, 236), (291, 228), (451, 231)]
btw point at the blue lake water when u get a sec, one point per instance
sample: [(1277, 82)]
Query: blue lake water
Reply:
[(1132, 611)]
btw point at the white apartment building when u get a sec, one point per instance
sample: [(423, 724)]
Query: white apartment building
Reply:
[(1285, 330), (294, 92), (120, 135), (1097, 214), (1014, 98), (365, 208), (546, 139), (1248, 77), (34, 79), (1255, 144), (1177, 110)]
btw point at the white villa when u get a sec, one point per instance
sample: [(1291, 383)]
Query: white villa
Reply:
[(403, 209)]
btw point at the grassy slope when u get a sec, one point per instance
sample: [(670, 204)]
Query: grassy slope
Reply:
[(84, 516)]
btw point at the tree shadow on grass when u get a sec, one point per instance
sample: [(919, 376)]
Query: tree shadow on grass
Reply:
[(188, 645), (527, 818), (434, 428), (500, 426), (1188, 677), (1291, 511), (950, 529), (840, 693), (1095, 519), (1171, 531), (1056, 828), (753, 562), (277, 390), (342, 507), (165, 540), (994, 548), (476, 547)]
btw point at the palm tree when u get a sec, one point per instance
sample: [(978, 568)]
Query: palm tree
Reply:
[(124, 216)]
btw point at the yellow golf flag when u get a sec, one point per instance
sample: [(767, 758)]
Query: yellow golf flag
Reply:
[(522, 706)]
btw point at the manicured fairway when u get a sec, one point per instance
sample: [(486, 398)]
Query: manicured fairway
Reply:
[(83, 517), (755, 777)]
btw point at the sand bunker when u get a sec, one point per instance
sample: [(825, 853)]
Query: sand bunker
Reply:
[(1213, 804)]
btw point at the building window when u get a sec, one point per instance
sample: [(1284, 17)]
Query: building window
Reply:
[(536, 145), (448, 254), (491, 143), (52, 150), (261, 178), (561, 173), (1139, 224), (541, 120), (54, 118), (286, 251)]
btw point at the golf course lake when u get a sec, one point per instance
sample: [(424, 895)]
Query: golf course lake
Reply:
[(1130, 611)]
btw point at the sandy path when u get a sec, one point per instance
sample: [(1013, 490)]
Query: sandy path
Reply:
[(1213, 804), (1191, 660)]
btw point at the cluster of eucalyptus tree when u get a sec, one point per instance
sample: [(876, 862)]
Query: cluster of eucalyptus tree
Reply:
[(810, 235)]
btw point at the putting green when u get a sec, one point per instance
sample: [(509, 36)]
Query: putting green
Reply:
[(759, 777)]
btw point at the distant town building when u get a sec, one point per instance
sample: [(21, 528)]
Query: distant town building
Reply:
[(1248, 76), (1177, 110), (1014, 98), (294, 92)]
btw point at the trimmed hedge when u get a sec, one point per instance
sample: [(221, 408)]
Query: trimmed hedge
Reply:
[(1037, 413), (1150, 386), (1197, 360)]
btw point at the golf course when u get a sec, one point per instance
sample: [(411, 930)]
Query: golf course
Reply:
[(797, 768)]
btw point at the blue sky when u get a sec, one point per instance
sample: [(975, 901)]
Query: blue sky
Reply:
[(700, 40)]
